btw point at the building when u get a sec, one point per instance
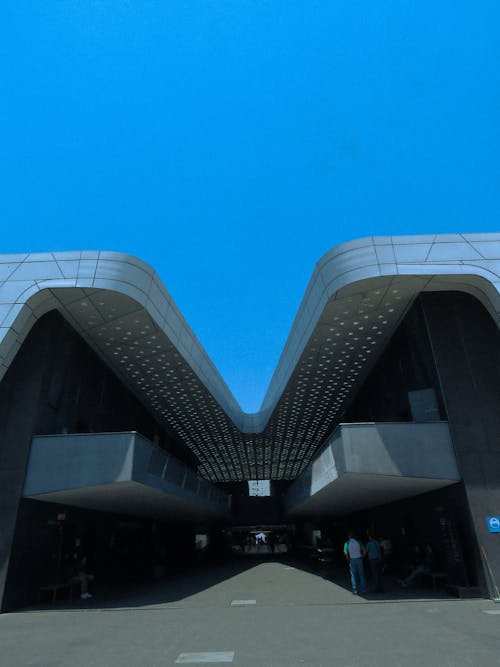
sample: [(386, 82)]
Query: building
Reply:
[(117, 432)]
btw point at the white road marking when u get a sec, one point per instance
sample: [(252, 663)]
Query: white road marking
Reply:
[(491, 611), (242, 603), (205, 656)]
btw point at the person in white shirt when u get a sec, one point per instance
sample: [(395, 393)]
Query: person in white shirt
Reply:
[(354, 552)]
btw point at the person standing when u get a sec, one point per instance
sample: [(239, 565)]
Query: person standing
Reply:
[(375, 559), (387, 564), (354, 552), (84, 577)]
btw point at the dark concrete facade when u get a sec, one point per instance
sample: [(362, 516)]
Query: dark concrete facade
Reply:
[(56, 384), (466, 348)]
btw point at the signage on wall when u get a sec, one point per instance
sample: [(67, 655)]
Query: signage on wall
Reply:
[(493, 524), (259, 487)]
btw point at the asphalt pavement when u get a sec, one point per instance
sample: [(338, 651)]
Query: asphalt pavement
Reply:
[(254, 613)]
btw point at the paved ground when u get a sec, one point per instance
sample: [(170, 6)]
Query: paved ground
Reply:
[(254, 613)]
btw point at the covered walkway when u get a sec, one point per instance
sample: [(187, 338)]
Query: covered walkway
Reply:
[(270, 582)]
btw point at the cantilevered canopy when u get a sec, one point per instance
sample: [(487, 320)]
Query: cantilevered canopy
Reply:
[(365, 465), (122, 473)]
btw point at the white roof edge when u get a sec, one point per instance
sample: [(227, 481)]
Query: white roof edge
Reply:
[(468, 262), (368, 258)]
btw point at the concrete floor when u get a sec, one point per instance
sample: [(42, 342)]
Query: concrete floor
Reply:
[(284, 616)]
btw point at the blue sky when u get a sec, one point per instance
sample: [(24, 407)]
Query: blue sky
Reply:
[(230, 143)]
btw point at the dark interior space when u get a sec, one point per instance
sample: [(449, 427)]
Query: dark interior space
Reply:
[(51, 541), (253, 510)]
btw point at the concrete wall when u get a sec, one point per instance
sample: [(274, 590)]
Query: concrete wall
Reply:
[(19, 403), (466, 346), (412, 450)]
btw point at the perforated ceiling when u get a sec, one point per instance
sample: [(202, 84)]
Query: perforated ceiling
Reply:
[(349, 335)]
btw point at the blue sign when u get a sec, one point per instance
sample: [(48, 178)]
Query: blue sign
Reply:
[(493, 524)]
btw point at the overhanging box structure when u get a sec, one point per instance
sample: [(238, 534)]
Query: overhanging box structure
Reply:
[(391, 330)]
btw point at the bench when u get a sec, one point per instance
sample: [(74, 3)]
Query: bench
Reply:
[(437, 576), (55, 587)]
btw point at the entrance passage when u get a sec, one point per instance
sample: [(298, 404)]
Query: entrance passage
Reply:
[(301, 578), (264, 540)]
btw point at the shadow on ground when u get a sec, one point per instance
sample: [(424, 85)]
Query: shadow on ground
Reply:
[(181, 585)]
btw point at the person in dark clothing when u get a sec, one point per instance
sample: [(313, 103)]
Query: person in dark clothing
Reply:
[(374, 554), (84, 577), (424, 568)]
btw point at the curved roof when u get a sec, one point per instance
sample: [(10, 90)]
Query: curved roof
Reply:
[(358, 293)]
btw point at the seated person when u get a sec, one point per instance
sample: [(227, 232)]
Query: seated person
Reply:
[(84, 577), (423, 568)]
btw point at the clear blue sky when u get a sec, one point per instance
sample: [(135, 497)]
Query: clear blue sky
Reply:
[(230, 143)]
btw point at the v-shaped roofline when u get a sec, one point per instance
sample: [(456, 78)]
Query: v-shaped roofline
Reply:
[(373, 276)]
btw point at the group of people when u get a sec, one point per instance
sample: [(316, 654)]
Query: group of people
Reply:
[(375, 552), (355, 551)]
